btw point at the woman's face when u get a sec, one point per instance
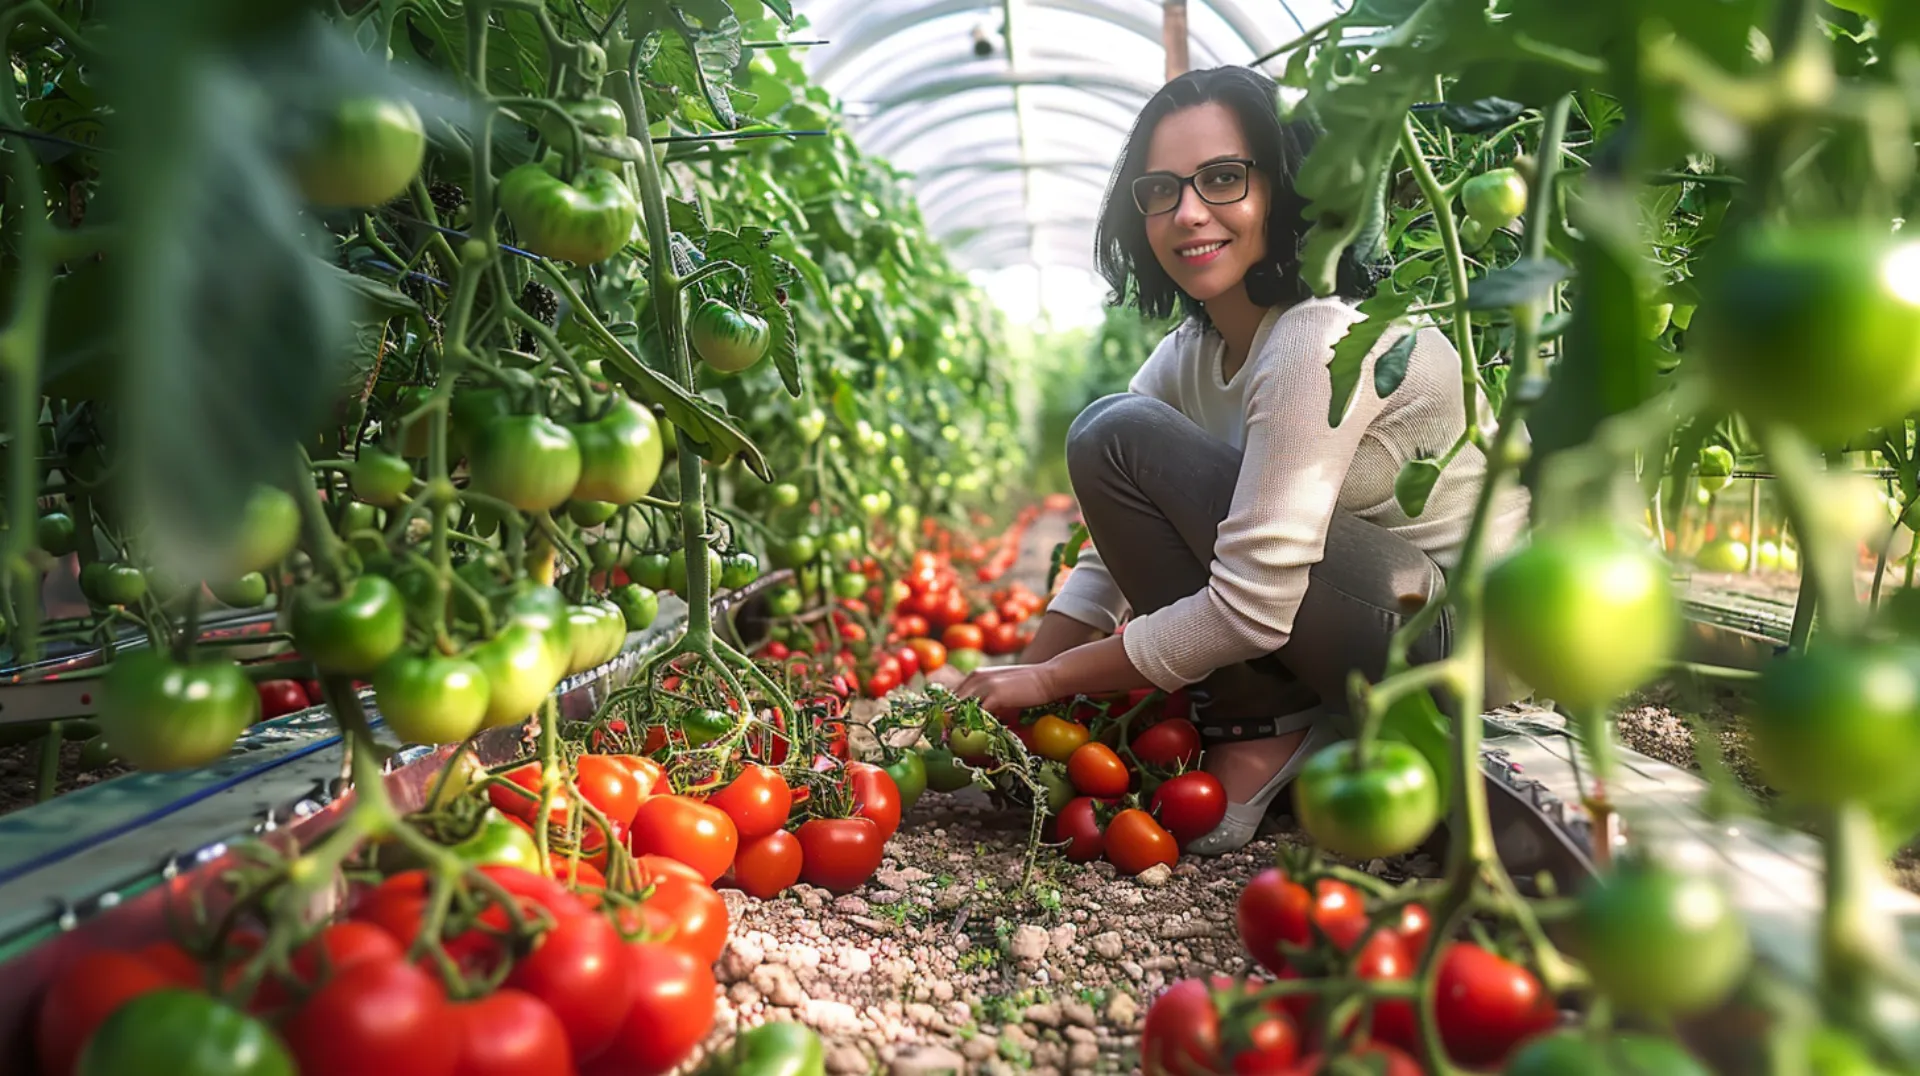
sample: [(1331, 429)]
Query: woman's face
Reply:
[(1206, 249)]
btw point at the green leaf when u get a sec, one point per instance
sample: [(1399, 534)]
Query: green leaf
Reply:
[(1390, 369), (1067, 553), (685, 216), (1350, 354), (767, 275), (1524, 281), (1414, 484)]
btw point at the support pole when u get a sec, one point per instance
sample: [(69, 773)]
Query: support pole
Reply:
[(1173, 34)]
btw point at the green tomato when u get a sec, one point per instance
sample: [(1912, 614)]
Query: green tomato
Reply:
[(176, 1030), (528, 461), (620, 455), (268, 529), (380, 478), (596, 631), (113, 584), (1658, 316), (1059, 790), (96, 754), (1715, 468), (850, 585), (520, 672), (1495, 198), (1722, 555), (163, 715), (965, 659), (1382, 806), (810, 425), (677, 570), (1818, 328), (416, 437), (728, 340), (498, 842), (592, 514), (649, 570), (355, 633), (584, 222), (705, 726), (545, 609), (638, 606), (1660, 942), (365, 153), (944, 772), (969, 743), (782, 1048), (846, 541), (1839, 723), (786, 601), (1569, 1053), (794, 551), (739, 569), (54, 534), (596, 116), (431, 699), (246, 592), (909, 773), (472, 411), (784, 495), (1582, 614)]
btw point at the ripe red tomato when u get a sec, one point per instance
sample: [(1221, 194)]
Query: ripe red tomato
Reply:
[(909, 660), (584, 873), (699, 915), (838, 854), (911, 625), (1190, 805), (758, 801), (695, 833), (882, 680), (1487, 1005), (1171, 743), (932, 655), (1135, 842), (1182, 1035), (672, 1011), (875, 796), (1416, 928), (765, 866), (1002, 639), (607, 782), (954, 610), (963, 637), (278, 697), (83, 994), (174, 963), (576, 969), (523, 806), (381, 1016), (341, 946), (1273, 909), (510, 1033), (655, 867), (1386, 957), (1097, 771), (1078, 825), (1391, 1062)]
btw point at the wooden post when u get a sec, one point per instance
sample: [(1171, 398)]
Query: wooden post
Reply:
[(1173, 34)]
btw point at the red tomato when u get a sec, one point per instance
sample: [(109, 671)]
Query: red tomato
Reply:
[(278, 697), (875, 796), (953, 611), (699, 915), (987, 621), (510, 1033), (381, 1016), (853, 632), (1172, 743), (695, 833), (1416, 928), (909, 660), (1273, 909), (882, 680), (174, 963), (1002, 639), (963, 637), (84, 993), (838, 854), (758, 801), (765, 866), (607, 782), (1272, 1045), (1487, 1005), (1190, 805), (582, 873), (1182, 1035), (911, 625), (341, 946), (1097, 771), (655, 867), (1135, 842), (514, 803), (1392, 1062), (672, 1011), (1078, 825), (1385, 957), (932, 655), (576, 969)]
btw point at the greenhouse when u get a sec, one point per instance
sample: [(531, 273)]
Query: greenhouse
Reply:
[(746, 537)]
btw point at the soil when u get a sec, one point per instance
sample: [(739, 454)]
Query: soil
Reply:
[(20, 767)]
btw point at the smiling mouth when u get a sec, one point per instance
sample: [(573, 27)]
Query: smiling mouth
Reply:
[(1201, 253)]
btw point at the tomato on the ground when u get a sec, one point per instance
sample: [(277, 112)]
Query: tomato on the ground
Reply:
[(673, 1005), (1191, 805), (1134, 842), (839, 854), (699, 915), (511, 1033), (758, 801), (576, 970), (875, 796), (765, 866), (909, 775), (1096, 770), (698, 834), (1171, 743)]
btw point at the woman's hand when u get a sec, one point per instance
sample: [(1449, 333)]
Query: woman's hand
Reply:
[(1008, 689)]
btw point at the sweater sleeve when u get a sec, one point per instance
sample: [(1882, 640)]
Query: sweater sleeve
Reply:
[(1292, 469), (1090, 595)]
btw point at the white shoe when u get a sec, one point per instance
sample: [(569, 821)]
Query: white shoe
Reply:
[(1243, 819)]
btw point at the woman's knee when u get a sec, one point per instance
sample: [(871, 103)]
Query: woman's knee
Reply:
[(1108, 424)]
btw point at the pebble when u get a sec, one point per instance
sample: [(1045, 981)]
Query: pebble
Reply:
[(979, 1048), (855, 961), (777, 983), (1029, 944), (847, 1059), (850, 905), (1133, 969), (1078, 1013), (1060, 938), (1156, 876), (1045, 1014), (1082, 1057), (1109, 945), (884, 897), (928, 1061)]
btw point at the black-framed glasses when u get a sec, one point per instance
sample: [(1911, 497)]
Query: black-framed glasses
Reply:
[(1219, 183)]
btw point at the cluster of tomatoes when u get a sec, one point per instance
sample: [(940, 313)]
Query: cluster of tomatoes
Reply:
[(995, 557), (1486, 1006)]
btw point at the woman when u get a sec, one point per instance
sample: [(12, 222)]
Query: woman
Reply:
[(1259, 549)]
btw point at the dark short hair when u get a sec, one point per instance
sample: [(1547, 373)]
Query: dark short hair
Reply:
[(1278, 147)]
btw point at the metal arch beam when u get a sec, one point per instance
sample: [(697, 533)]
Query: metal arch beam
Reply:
[(1133, 91), (890, 137)]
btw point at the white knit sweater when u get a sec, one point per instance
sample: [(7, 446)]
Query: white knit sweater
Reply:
[(1296, 473)]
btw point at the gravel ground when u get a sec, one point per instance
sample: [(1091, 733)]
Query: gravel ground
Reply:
[(20, 764), (936, 965)]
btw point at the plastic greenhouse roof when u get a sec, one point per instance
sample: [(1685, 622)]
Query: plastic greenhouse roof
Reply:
[(1011, 151)]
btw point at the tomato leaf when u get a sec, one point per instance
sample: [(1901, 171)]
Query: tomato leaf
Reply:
[(1350, 354), (1414, 484), (1390, 369), (1522, 282)]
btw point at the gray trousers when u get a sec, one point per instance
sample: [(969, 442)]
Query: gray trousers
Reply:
[(1153, 489)]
